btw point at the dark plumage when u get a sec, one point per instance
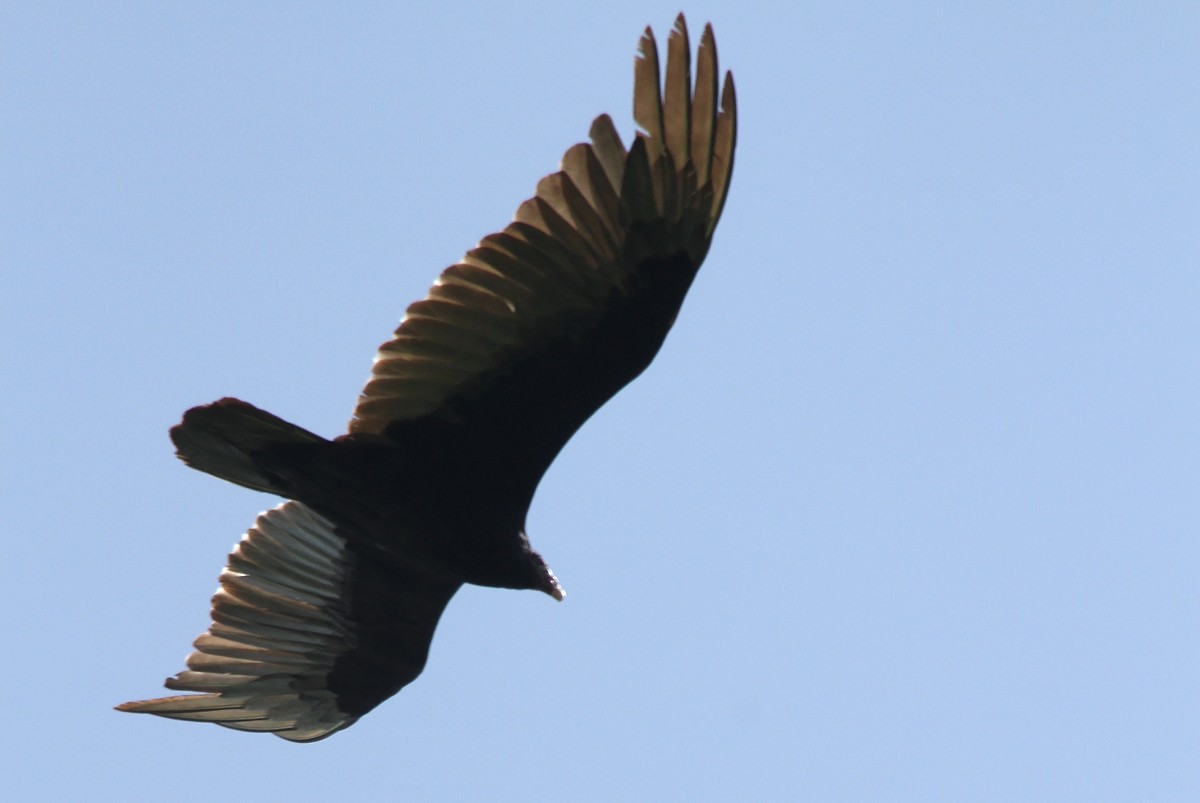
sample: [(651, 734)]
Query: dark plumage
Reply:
[(328, 605)]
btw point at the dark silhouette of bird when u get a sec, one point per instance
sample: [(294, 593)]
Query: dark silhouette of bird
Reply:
[(328, 604)]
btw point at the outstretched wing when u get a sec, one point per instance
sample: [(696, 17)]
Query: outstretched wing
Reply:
[(310, 631), (540, 324)]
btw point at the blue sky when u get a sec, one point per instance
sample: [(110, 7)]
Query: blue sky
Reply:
[(906, 509)]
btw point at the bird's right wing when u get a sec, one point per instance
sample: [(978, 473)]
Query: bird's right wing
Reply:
[(544, 321), (308, 633)]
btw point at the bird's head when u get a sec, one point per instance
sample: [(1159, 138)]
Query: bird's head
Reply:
[(509, 563)]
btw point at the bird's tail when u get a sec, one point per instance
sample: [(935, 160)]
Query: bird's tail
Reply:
[(228, 437)]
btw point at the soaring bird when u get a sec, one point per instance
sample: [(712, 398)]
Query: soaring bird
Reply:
[(328, 604)]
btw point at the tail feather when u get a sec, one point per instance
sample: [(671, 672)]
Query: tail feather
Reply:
[(222, 438)]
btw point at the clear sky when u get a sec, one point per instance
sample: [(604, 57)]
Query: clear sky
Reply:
[(906, 509)]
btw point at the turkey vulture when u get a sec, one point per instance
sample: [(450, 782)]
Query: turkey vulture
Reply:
[(328, 604)]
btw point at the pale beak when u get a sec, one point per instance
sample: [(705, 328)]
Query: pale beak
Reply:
[(553, 587)]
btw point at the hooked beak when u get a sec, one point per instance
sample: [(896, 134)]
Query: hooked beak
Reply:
[(553, 587), (546, 581)]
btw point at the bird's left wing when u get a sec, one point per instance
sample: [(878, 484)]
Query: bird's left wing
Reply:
[(309, 632)]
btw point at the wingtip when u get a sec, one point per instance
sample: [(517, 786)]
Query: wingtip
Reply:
[(728, 94), (679, 28)]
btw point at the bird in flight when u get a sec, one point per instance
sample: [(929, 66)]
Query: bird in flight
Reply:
[(328, 604)]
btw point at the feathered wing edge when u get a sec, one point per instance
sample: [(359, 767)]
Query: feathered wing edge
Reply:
[(278, 627), (568, 246)]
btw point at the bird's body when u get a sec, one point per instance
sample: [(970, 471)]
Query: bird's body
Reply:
[(329, 603)]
